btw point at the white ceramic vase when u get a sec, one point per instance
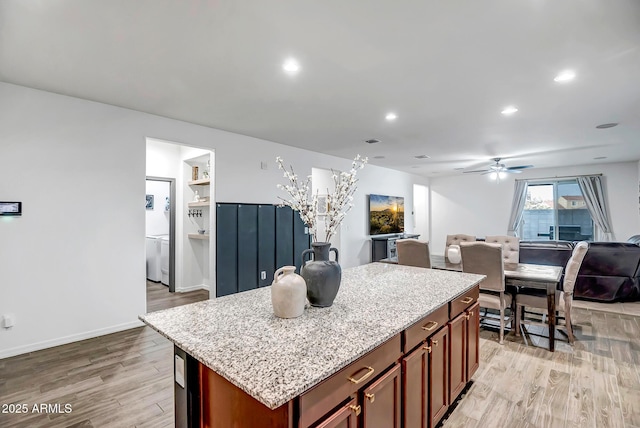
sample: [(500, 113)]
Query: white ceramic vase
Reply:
[(453, 254), (288, 293)]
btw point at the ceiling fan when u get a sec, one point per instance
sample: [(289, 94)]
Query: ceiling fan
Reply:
[(499, 168)]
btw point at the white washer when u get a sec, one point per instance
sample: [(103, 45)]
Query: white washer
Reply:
[(164, 259), (153, 258)]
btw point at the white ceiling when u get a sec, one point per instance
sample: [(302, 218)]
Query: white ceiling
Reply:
[(446, 68)]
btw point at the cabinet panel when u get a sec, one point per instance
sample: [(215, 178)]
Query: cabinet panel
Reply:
[(226, 249), (473, 342), (381, 401), (247, 247), (415, 388), (344, 417), (425, 327), (439, 375), (457, 356), (266, 243), (464, 302), (331, 392), (284, 236)]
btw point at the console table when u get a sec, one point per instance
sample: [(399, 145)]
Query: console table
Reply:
[(384, 247)]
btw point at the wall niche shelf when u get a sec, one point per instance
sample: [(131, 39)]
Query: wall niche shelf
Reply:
[(198, 236), (200, 182), (198, 204)]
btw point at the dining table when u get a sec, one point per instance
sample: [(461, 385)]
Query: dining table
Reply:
[(522, 276)]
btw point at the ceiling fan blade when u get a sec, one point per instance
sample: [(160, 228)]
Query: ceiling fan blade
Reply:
[(477, 170), (520, 167), (512, 171)]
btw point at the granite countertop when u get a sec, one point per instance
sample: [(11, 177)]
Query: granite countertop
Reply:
[(274, 360)]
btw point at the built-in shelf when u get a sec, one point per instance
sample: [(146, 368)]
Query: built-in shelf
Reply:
[(200, 182), (198, 236), (198, 204)]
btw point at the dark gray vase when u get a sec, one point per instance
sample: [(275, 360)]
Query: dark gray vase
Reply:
[(321, 274)]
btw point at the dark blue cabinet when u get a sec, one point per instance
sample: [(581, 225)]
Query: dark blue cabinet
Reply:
[(252, 241)]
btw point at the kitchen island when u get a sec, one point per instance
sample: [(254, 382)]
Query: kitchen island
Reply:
[(239, 365)]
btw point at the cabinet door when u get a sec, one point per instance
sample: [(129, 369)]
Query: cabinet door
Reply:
[(457, 355), (415, 388), (247, 247), (439, 375), (344, 417), (381, 401), (226, 249), (473, 340)]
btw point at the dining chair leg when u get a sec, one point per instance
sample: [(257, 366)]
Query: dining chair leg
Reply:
[(567, 319), (518, 313), (501, 324)]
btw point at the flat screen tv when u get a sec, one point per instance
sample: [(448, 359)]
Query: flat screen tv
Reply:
[(386, 214)]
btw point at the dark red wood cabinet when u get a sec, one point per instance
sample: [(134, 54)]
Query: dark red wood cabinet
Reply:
[(408, 381)]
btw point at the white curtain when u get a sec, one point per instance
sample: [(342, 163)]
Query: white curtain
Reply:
[(517, 207), (591, 188)]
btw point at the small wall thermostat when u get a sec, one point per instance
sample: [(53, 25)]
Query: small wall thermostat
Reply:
[(10, 208)]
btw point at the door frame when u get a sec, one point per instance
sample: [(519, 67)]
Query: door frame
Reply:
[(172, 228)]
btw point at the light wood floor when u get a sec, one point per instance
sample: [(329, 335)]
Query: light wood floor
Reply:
[(125, 379), (159, 297)]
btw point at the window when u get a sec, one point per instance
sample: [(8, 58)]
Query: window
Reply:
[(556, 210)]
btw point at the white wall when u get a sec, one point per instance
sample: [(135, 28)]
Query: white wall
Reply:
[(72, 265), (157, 219), (476, 205)]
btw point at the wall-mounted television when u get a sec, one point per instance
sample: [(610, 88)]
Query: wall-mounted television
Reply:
[(386, 214)]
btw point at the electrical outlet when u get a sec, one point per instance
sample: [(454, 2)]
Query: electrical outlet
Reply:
[(306, 230), (263, 274)]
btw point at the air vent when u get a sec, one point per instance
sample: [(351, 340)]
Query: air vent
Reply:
[(422, 157), (606, 125), (372, 141)]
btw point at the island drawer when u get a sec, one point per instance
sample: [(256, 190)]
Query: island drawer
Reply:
[(464, 301), (328, 394), (425, 327)]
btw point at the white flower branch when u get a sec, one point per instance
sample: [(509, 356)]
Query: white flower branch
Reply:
[(339, 202)]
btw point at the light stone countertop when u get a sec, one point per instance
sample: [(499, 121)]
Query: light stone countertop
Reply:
[(275, 360)]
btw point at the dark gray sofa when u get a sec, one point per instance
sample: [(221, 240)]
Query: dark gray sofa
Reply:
[(610, 271)]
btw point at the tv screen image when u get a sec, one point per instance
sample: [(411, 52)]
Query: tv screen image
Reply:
[(386, 214)]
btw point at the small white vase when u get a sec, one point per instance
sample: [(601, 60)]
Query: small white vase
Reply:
[(288, 293), (453, 254)]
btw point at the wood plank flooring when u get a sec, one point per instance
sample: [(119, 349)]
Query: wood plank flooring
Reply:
[(125, 380)]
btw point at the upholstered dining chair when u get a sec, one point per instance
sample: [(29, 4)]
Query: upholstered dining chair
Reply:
[(456, 240), (487, 259), (510, 246), (412, 252), (564, 298)]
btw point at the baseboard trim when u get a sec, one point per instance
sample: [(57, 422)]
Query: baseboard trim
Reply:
[(19, 350), (193, 288)]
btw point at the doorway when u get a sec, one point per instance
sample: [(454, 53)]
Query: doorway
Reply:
[(161, 231)]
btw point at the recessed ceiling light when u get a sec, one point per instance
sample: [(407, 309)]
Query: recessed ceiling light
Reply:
[(379, 157), (565, 76), (422, 157), (509, 110), (391, 116), (372, 141), (606, 125), (291, 66), (600, 157)]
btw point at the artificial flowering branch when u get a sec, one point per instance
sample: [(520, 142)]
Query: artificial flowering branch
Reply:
[(339, 202)]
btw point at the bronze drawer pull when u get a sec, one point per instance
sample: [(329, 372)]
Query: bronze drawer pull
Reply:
[(434, 343), (365, 376), (467, 300), (430, 325), (371, 397), (356, 409)]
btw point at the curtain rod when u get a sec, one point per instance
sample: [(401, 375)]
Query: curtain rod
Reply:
[(558, 176)]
